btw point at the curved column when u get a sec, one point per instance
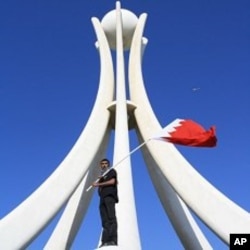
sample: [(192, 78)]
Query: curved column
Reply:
[(179, 215), (218, 212), (128, 235), (185, 226), (71, 219), (41, 206), (68, 225)]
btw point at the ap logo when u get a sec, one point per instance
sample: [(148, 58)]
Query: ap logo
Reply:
[(239, 241)]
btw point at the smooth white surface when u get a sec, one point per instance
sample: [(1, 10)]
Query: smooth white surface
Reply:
[(70, 221), (129, 21), (178, 213), (38, 209), (218, 212), (128, 233)]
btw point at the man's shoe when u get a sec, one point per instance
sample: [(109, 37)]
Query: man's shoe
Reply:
[(111, 243)]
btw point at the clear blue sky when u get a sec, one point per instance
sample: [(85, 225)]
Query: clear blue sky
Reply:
[(49, 75)]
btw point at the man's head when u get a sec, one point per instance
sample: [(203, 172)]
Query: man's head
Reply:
[(104, 164)]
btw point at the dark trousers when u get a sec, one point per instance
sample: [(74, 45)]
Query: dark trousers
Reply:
[(108, 217)]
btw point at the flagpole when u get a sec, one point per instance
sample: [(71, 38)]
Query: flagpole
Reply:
[(130, 153)]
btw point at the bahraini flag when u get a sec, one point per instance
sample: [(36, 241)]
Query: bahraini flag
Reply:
[(188, 133)]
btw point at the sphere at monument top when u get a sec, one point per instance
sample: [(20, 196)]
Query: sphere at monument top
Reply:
[(129, 21)]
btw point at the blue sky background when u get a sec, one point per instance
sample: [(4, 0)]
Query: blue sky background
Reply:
[(49, 75)]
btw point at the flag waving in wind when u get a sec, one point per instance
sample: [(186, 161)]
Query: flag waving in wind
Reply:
[(182, 132), (188, 133)]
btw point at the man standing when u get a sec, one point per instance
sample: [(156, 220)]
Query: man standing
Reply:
[(107, 190)]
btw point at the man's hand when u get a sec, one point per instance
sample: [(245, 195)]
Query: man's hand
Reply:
[(105, 183), (95, 184)]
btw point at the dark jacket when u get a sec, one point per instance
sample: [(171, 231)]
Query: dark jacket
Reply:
[(110, 190)]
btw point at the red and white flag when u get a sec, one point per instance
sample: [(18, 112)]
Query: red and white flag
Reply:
[(188, 133)]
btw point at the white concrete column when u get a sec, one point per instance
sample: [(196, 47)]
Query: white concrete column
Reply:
[(128, 235)]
